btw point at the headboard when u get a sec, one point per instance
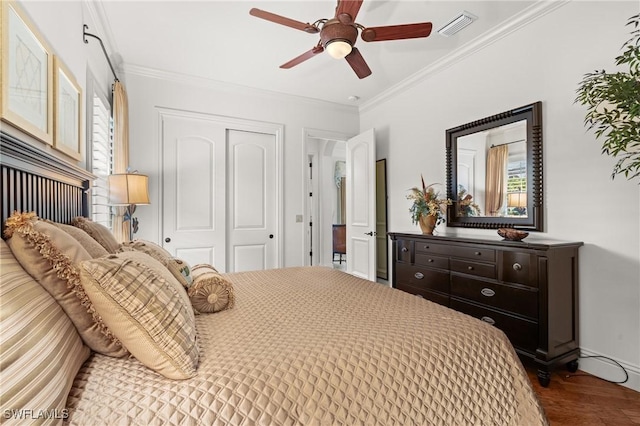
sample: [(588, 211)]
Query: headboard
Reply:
[(35, 180)]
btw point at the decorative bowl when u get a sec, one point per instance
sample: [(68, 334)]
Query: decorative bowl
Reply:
[(512, 234)]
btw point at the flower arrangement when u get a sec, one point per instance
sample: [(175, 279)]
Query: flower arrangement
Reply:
[(466, 206), (427, 202)]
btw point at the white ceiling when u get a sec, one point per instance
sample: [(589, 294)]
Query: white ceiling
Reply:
[(219, 40)]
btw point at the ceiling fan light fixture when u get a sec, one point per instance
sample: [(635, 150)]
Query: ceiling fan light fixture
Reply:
[(338, 49), (456, 24)]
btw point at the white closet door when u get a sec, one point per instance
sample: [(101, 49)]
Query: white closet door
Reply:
[(193, 185), (252, 201)]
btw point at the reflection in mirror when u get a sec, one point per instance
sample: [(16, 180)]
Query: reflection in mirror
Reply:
[(494, 171)]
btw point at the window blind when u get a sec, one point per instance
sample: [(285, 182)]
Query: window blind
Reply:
[(101, 160)]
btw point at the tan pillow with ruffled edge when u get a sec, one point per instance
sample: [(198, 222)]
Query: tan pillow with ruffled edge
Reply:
[(210, 291), (51, 256)]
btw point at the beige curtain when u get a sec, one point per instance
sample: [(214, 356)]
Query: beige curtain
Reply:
[(496, 178), (120, 153)]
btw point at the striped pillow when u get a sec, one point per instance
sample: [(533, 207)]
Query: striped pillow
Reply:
[(98, 232), (146, 308), (41, 349)]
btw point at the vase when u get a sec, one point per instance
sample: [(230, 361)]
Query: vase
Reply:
[(427, 223)]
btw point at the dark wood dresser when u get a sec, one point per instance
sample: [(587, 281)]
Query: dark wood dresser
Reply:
[(528, 289)]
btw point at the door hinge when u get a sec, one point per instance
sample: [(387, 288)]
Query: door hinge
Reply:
[(311, 194)]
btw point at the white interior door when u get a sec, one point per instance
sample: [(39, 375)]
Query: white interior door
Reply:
[(194, 190), (252, 201), (361, 205)]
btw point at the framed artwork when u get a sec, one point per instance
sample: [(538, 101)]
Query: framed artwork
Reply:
[(68, 111), (27, 75)]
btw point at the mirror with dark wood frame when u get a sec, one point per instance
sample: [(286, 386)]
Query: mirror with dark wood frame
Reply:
[(494, 171)]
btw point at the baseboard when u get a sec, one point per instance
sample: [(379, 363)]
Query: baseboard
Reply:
[(606, 369)]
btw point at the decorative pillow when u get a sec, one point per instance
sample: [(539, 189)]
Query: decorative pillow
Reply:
[(146, 308), (210, 292), (98, 232), (41, 349), (178, 267), (90, 245), (51, 256)]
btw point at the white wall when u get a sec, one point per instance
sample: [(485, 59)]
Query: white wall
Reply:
[(543, 61), (146, 92)]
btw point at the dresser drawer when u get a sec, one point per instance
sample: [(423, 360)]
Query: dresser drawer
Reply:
[(404, 250), (480, 254), (522, 333), (419, 277), (440, 298), (486, 270), (513, 299), (519, 267), (432, 261)]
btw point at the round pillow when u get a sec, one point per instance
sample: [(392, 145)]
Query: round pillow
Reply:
[(210, 291)]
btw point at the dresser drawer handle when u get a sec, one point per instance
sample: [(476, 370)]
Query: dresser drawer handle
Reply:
[(404, 249), (419, 275), (517, 267), (477, 253), (470, 268), (487, 292), (488, 320), (430, 260)]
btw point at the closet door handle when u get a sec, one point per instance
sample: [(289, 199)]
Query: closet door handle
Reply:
[(167, 240)]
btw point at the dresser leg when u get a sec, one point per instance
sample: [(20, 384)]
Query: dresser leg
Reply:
[(544, 378), (572, 366)]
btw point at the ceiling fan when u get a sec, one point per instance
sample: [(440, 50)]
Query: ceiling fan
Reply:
[(338, 35)]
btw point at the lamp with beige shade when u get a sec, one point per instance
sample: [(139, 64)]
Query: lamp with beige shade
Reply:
[(129, 190)]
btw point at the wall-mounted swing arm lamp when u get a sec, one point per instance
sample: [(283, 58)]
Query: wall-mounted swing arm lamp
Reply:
[(129, 189)]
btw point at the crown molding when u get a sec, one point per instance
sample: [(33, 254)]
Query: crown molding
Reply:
[(203, 82), (102, 28), (524, 18)]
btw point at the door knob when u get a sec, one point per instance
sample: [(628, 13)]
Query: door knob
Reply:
[(270, 235), (370, 233), (167, 240)]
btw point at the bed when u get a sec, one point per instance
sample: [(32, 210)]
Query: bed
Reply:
[(302, 345)]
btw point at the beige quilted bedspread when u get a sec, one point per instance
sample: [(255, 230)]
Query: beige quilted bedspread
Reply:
[(315, 346)]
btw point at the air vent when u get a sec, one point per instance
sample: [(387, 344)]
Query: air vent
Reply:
[(457, 24)]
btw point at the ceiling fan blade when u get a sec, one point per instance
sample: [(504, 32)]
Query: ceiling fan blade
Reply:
[(306, 27), (347, 10), (306, 55), (397, 32), (358, 63)]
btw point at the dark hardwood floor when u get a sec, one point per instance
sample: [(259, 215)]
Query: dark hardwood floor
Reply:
[(586, 400)]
